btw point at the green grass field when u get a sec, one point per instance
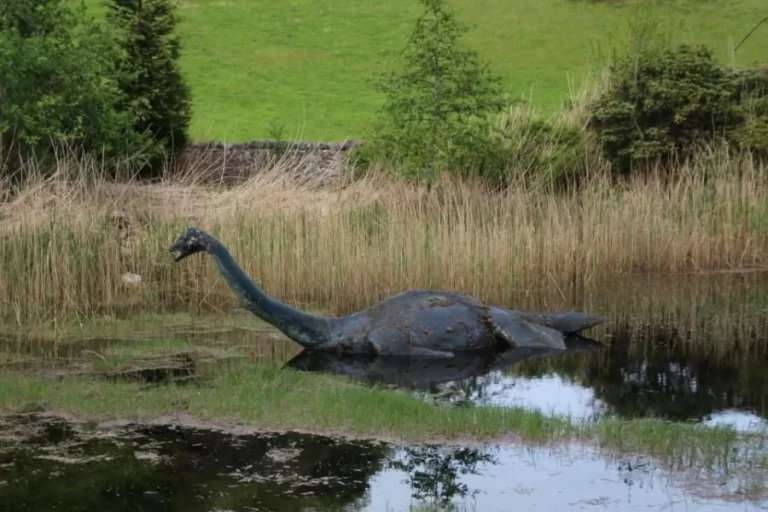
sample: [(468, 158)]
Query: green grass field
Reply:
[(308, 65)]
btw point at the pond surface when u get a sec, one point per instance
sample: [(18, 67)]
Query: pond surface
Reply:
[(686, 348), (691, 349), (51, 464)]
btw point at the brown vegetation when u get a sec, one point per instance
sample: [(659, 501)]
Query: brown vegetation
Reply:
[(342, 247)]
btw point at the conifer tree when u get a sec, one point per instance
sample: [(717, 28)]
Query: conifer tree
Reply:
[(150, 77)]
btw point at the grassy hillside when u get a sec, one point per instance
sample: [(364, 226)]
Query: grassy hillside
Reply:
[(308, 64)]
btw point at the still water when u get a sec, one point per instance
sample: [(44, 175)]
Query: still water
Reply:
[(688, 348), (685, 348), (51, 464)]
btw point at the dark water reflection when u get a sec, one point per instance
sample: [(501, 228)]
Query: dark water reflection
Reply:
[(587, 380), (654, 372), (686, 349), (49, 464), (425, 373)]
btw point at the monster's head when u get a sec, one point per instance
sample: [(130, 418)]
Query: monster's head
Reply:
[(192, 241)]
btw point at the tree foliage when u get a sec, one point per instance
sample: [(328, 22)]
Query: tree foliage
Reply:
[(437, 108), (59, 84), (150, 75)]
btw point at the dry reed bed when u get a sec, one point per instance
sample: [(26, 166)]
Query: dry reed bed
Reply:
[(342, 247)]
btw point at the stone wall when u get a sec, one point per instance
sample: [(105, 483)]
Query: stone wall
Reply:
[(235, 162)]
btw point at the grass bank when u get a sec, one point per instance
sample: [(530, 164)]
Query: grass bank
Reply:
[(340, 247), (308, 66), (270, 398)]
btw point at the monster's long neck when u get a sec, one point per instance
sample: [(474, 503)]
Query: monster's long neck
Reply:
[(308, 330)]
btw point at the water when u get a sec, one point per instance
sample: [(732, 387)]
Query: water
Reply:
[(684, 348), (692, 349), (51, 464), (658, 386), (689, 349)]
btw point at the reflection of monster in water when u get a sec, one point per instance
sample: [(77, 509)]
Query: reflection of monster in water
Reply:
[(425, 373), (650, 371), (434, 471)]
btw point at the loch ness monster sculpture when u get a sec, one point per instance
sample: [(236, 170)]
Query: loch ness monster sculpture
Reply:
[(411, 323)]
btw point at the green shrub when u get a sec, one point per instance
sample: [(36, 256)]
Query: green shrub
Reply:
[(750, 131), (59, 85), (542, 148), (515, 145), (663, 104), (150, 77), (659, 104), (436, 114)]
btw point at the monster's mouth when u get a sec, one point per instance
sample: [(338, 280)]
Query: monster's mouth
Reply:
[(179, 253)]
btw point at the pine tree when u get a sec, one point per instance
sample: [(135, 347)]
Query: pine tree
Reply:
[(150, 77), (440, 96)]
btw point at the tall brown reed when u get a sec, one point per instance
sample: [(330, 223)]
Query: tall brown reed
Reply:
[(343, 247)]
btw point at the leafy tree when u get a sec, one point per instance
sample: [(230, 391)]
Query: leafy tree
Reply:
[(58, 84), (151, 78), (437, 108)]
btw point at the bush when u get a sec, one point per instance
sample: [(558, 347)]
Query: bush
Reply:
[(750, 131), (550, 149), (59, 85), (663, 104), (659, 104), (150, 77), (515, 146), (436, 111)]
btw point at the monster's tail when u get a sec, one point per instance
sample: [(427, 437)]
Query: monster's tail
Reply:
[(566, 323)]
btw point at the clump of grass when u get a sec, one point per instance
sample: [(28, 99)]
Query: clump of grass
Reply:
[(343, 247)]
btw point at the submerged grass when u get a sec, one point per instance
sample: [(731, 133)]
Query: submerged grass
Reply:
[(276, 398), (341, 247), (138, 325)]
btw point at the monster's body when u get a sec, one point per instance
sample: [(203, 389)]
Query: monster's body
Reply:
[(426, 322), (412, 323)]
